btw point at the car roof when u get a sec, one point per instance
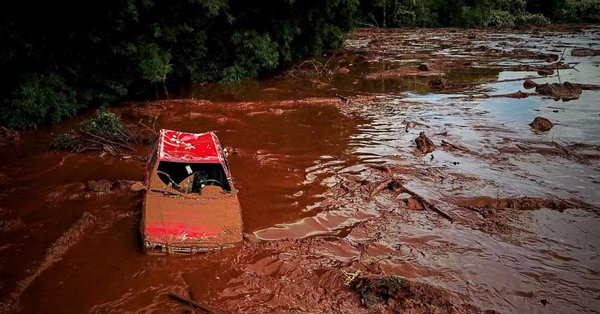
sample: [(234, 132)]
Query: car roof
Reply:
[(180, 146)]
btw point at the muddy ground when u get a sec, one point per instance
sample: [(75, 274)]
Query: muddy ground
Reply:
[(342, 210)]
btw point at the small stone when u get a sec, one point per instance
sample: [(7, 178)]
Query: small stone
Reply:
[(343, 70), (529, 84), (541, 124), (424, 144)]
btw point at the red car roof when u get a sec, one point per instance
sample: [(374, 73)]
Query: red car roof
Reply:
[(188, 147)]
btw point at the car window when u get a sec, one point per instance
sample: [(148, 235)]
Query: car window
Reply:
[(204, 173)]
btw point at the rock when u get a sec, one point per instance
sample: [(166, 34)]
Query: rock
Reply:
[(545, 72), (439, 83), (137, 186), (424, 144), (585, 52), (423, 67), (566, 91), (276, 111), (541, 124), (529, 84), (413, 203), (552, 58), (392, 294), (99, 186), (394, 185), (516, 95), (343, 70)]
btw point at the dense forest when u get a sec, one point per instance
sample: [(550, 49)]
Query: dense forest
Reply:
[(60, 57)]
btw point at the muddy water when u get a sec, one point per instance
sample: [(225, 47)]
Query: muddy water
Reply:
[(524, 234)]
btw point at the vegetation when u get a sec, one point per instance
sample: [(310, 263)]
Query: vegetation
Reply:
[(105, 132), (65, 56)]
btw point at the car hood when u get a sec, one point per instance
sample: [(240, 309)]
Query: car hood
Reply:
[(206, 221)]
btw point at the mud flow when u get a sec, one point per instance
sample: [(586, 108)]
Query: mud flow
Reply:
[(404, 172)]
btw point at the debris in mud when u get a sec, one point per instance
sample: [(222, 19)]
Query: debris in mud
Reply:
[(137, 186), (529, 84), (7, 225), (413, 203), (399, 295), (343, 70), (190, 302), (394, 185), (456, 147), (403, 72), (439, 83), (518, 203), (545, 72), (424, 144), (541, 124), (106, 133), (99, 186), (585, 52), (517, 95), (8, 136), (566, 91), (94, 188), (423, 67)]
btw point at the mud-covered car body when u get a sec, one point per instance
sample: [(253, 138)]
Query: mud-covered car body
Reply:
[(190, 203)]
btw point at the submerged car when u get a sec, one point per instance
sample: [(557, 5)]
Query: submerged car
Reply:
[(191, 204)]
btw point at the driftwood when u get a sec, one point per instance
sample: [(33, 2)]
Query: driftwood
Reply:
[(190, 302), (396, 185), (428, 206), (446, 143), (107, 141)]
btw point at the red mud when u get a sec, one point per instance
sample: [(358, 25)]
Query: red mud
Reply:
[(335, 201)]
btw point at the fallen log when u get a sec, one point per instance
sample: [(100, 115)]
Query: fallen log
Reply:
[(190, 302)]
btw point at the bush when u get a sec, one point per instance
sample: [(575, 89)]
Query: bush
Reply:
[(501, 18), (581, 11), (532, 19), (38, 100), (106, 124), (101, 52), (64, 141)]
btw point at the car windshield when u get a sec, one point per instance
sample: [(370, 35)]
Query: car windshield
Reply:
[(191, 177)]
